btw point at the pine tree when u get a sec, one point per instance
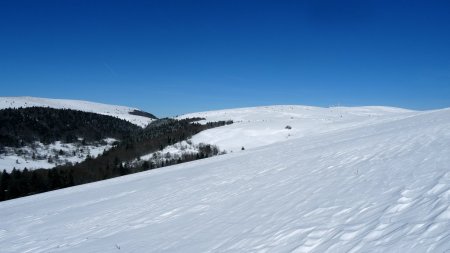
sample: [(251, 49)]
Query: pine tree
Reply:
[(4, 185)]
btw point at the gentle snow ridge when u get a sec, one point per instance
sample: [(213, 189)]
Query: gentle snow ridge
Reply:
[(121, 112), (259, 126), (377, 186)]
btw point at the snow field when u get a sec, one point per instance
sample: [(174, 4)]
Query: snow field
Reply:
[(383, 186)]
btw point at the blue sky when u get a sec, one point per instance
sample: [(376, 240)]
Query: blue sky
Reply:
[(171, 57)]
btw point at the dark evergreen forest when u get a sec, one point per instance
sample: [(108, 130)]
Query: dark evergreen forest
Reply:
[(23, 126)]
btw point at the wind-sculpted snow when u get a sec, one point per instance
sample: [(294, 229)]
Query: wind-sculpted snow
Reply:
[(381, 186), (121, 112)]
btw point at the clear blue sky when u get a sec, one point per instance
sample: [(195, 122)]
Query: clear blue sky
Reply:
[(171, 57)]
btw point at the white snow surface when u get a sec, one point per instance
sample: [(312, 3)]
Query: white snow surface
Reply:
[(259, 126), (121, 112), (373, 185)]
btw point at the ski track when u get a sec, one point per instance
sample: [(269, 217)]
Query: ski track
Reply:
[(382, 187)]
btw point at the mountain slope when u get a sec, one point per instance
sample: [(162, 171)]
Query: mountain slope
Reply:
[(378, 187), (132, 115)]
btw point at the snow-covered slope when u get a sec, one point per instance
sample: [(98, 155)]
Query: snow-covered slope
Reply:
[(259, 126), (121, 112), (381, 186)]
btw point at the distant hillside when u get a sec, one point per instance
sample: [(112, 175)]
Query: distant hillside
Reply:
[(70, 165), (43, 148), (130, 114)]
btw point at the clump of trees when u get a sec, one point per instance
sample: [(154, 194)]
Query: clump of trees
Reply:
[(198, 151), (143, 114)]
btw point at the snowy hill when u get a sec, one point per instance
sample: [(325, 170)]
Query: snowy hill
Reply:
[(121, 112), (372, 185), (259, 126)]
